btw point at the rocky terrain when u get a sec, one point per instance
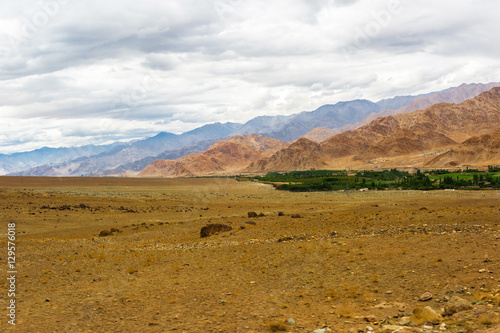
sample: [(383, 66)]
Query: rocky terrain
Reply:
[(126, 255), (484, 149), (402, 140), (451, 96), (225, 156), (320, 134)]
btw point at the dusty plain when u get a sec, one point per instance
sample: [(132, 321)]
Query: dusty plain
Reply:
[(351, 260)]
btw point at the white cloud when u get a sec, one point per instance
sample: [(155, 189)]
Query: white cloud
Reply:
[(143, 67)]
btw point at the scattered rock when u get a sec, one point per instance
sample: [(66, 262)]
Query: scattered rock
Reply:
[(252, 214), (296, 216), (426, 297), (291, 321), (424, 315), (404, 321), (371, 318), (486, 259), (456, 304), (400, 329), (443, 327), (281, 214), (115, 230), (212, 229), (261, 215), (320, 330), (105, 233)]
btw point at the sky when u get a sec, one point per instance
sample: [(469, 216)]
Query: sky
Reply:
[(75, 72)]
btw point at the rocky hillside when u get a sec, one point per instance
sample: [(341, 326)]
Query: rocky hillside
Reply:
[(452, 96), (476, 151), (225, 156), (320, 134), (438, 127)]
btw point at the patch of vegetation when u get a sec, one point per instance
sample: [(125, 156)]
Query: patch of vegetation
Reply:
[(334, 180)]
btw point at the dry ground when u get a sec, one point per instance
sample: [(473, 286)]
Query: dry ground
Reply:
[(345, 258)]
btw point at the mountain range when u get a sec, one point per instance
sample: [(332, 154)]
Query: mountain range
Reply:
[(443, 134), (223, 157), (319, 125)]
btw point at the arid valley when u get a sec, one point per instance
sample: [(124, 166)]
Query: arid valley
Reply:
[(337, 261)]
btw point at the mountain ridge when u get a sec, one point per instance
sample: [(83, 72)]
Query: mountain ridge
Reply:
[(223, 156), (437, 127), (128, 158)]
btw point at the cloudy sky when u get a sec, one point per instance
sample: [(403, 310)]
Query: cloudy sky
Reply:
[(75, 72)]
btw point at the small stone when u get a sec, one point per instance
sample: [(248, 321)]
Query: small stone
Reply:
[(426, 297), (371, 318), (404, 321), (291, 321), (400, 329), (321, 330), (368, 328), (388, 292), (442, 327), (482, 270), (428, 328), (105, 233)]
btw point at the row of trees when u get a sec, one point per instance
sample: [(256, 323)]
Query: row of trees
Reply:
[(328, 180)]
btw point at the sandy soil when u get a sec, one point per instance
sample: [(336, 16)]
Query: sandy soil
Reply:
[(345, 258)]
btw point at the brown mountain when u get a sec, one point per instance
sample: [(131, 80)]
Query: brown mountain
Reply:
[(320, 134), (476, 151), (225, 156), (303, 154), (453, 96), (400, 137), (405, 142)]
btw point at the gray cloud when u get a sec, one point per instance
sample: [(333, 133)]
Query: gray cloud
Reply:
[(135, 69)]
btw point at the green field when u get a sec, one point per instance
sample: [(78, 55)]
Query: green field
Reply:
[(331, 180)]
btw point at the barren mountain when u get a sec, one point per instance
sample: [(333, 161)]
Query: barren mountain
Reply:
[(405, 142), (440, 126), (320, 134), (303, 154), (127, 153), (222, 157), (476, 151), (453, 96), (292, 127)]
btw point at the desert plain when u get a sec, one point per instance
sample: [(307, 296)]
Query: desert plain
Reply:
[(125, 255)]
